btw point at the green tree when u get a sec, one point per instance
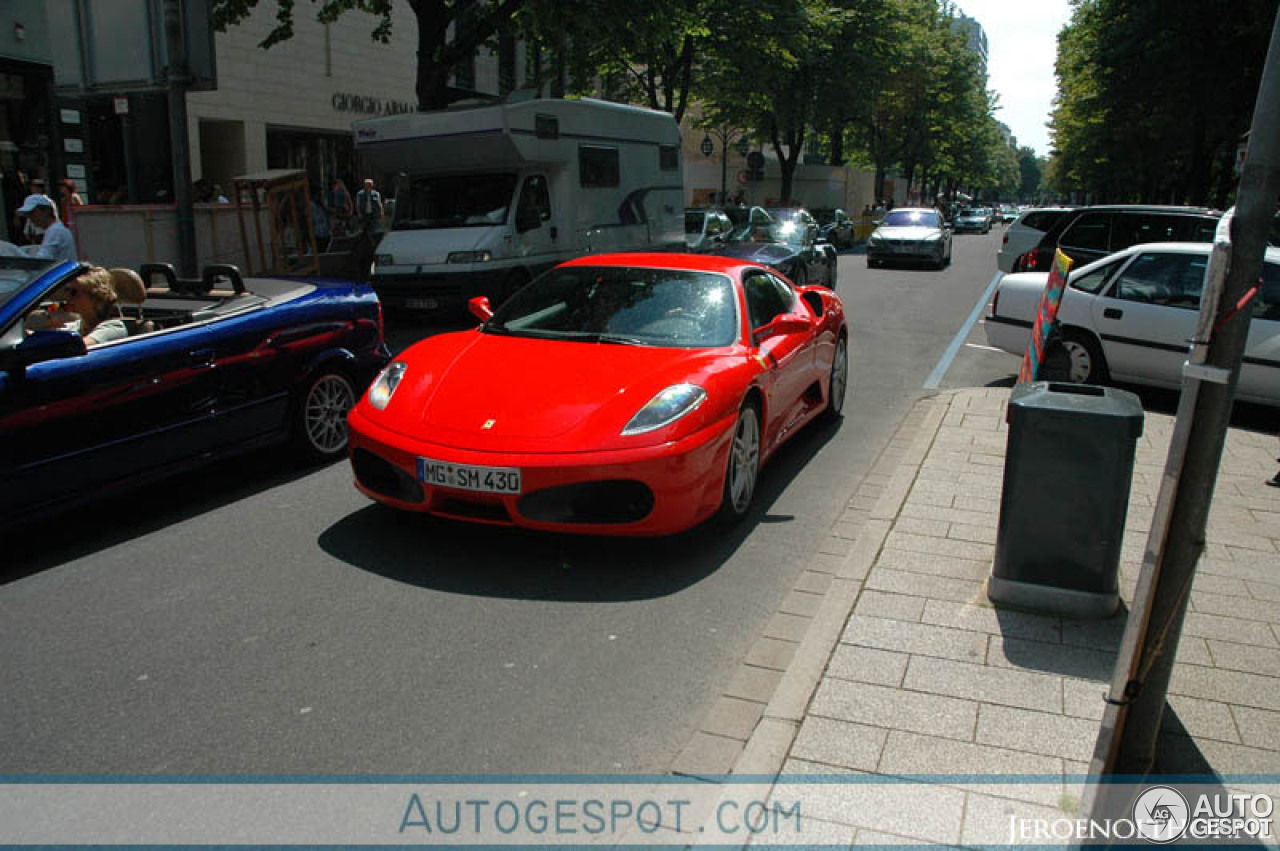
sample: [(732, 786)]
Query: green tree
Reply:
[(1030, 171), (763, 72), (1154, 96), (647, 55)]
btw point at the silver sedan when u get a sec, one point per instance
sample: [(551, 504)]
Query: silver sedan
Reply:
[(911, 234)]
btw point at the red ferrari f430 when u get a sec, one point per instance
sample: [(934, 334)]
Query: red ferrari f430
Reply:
[(624, 394)]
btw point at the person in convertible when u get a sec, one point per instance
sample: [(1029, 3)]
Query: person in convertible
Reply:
[(90, 301)]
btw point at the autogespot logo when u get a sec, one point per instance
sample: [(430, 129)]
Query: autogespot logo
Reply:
[(1161, 814)]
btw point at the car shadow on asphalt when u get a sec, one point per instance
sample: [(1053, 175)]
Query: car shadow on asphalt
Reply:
[(111, 519), (499, 561)]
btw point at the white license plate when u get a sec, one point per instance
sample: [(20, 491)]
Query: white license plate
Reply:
[(421, 303), (463, 477)]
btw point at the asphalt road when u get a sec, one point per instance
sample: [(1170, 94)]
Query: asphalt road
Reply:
[(263, 617)]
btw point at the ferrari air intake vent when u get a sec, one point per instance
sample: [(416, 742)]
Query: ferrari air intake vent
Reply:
[(619, 501), (384, 477)]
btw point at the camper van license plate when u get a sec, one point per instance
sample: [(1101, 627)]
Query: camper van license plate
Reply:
[(421, 303), (463, 477)]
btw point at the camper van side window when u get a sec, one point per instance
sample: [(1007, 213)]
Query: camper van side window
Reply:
[(534, 196), (668, 157), (597, 165)]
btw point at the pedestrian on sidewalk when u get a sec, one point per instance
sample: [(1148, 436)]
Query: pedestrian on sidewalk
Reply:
[(369, 208)]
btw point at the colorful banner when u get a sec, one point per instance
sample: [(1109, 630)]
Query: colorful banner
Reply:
[(1045, 316)]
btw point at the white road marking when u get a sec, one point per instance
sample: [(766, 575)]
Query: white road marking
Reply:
[(935, 378)]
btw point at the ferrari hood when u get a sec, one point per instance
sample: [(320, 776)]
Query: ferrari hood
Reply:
[(503, 393)]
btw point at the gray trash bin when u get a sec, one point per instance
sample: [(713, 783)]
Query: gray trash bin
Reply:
[(1067, 470)]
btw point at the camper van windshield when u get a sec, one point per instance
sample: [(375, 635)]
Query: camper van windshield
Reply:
[(453, 201)]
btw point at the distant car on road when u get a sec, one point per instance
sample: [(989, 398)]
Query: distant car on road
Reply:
[(973, 220), (835, 225), (910, 235), (786, 239), (210, 368), (1130, 315), (1008, 213), (617, 394)]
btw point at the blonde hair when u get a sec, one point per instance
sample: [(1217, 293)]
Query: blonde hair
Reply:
[(98, 283)]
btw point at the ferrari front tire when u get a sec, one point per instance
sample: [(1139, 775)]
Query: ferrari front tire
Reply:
[(743, 467), (838, 383)]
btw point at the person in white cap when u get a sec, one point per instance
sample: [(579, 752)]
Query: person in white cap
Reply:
[(58, 242)]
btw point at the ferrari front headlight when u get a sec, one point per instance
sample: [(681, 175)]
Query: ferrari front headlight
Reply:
[(384, 386), (665, 408)]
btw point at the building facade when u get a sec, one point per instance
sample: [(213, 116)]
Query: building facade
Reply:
[(29, 137)]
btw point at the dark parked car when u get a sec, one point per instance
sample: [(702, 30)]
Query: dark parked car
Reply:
[(784, 239), (835, 225), (210, 368), (1086, 234)]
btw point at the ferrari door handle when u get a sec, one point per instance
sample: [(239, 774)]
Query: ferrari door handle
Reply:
[(1113, 313)]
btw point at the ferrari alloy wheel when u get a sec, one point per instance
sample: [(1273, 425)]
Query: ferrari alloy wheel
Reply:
[(839, 382), (322, 415), (744, 465)]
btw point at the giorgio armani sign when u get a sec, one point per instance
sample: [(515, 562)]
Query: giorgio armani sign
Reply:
[(366, 105)]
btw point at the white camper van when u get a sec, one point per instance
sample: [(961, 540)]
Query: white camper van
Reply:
[(486, 197)]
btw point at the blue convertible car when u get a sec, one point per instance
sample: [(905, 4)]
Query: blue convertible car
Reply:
[(210, 367)]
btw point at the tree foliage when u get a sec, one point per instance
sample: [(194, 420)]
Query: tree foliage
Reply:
[(881, 81), (1154, 95), (449, 31)]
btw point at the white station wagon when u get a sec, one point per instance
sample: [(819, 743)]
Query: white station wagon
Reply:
[(1130, 317)]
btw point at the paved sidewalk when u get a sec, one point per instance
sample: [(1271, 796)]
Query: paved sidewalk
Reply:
[(905, 668)]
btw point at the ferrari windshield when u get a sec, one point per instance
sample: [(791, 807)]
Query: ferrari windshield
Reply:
[(453, 201), (623, 305)]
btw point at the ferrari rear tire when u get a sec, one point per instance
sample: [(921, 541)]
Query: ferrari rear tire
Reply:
[(838, 383), (320, 414), (743, 467)]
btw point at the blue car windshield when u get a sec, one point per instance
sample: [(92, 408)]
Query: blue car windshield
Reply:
[(623, 305), (17, 272)]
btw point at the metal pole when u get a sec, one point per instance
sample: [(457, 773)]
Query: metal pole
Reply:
[(1131, 725), (724, 170), (178, 141)]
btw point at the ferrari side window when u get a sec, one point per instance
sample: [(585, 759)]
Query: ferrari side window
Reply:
[(764, 299)]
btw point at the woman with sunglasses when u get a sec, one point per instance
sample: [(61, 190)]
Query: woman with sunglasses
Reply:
[(90, 302)]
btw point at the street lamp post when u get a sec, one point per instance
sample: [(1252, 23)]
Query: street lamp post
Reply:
[(727, 136)]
